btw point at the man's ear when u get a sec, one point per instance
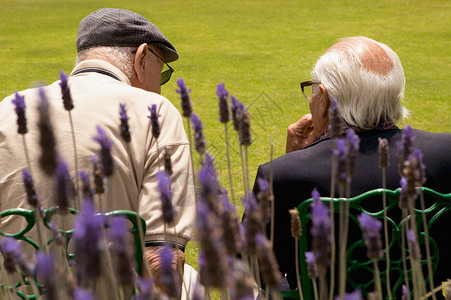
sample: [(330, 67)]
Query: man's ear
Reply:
[(324, 101), (139, 62)]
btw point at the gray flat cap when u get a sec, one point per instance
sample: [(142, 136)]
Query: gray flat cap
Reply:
[(121, 28)]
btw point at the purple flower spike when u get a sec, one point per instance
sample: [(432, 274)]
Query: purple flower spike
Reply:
[(187, 106), (321, 241), (405, 146), (405, 293), (253, 223), (48, 159), (122, 251), (98, 176), (82, 294), (65, 92), (356, 295), (223, 95), (105, 152), (311, 265), (209, 182), (86, 186), (371, 228), (199, 141), (64, 186), (231, 229), (168, 278), (236, 109), (45, 271), (164, 186), (341, 152), (12, 254), (32, 197), (154, 121), (334, 119), (124, 128), (267, 262), (244, 125), (19, 103), (384, 154), (88, 244), (353, 142), (264, 199), (146, 289), (412, 240)]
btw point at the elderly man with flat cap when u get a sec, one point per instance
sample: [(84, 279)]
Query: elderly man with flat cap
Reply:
[(367, 81), (122, 59)]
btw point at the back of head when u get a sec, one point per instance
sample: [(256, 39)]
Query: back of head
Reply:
[(366, 79)]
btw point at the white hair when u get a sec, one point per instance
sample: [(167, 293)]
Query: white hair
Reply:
[(365, 96), (120, 57)]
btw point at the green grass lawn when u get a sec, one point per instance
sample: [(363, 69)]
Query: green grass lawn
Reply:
[(261, 50)]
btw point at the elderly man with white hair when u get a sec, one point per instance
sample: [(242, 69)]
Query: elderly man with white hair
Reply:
[(367, 81)]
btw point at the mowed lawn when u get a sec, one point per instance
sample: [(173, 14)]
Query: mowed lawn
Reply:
[(261, 50)]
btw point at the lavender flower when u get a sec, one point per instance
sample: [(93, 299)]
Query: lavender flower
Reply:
[(13, 255), (105, 152), (268, 265), (86, 186), (356, 295), (405, 146), (168, 277), (311, 265), (57, 236), (47, 141), (253, 223), (209, 182), (32, 197), (371, 228), (98, 176), (384, 155), (352, 142), (244, 125), (416, 159), (230, 225), (334, 119), (146, 289), (122, 252), (124, 128), (82, 294), (236, 109), (213, 268), (65, 92), (321, 239), (403, 202), (19, 103), (242, 281), (199, 140), (341, 152), (405, 293), (154, 121), (412, 240), (164, 186), (167, 161), (187, 106), (296, 228), (64, 186), (46, 273), (223, 95), (87, 243), (264, 199)]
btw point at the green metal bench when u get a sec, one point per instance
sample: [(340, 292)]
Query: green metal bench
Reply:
[(437, 205), (29, 217)]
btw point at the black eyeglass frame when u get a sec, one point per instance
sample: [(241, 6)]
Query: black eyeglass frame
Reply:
[(164, 74), (307, 83)]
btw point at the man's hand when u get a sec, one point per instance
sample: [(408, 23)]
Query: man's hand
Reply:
[(299, 134), (152, 254)]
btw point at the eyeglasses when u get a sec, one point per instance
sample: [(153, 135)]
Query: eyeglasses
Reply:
[(166, 74), (306, 87)]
